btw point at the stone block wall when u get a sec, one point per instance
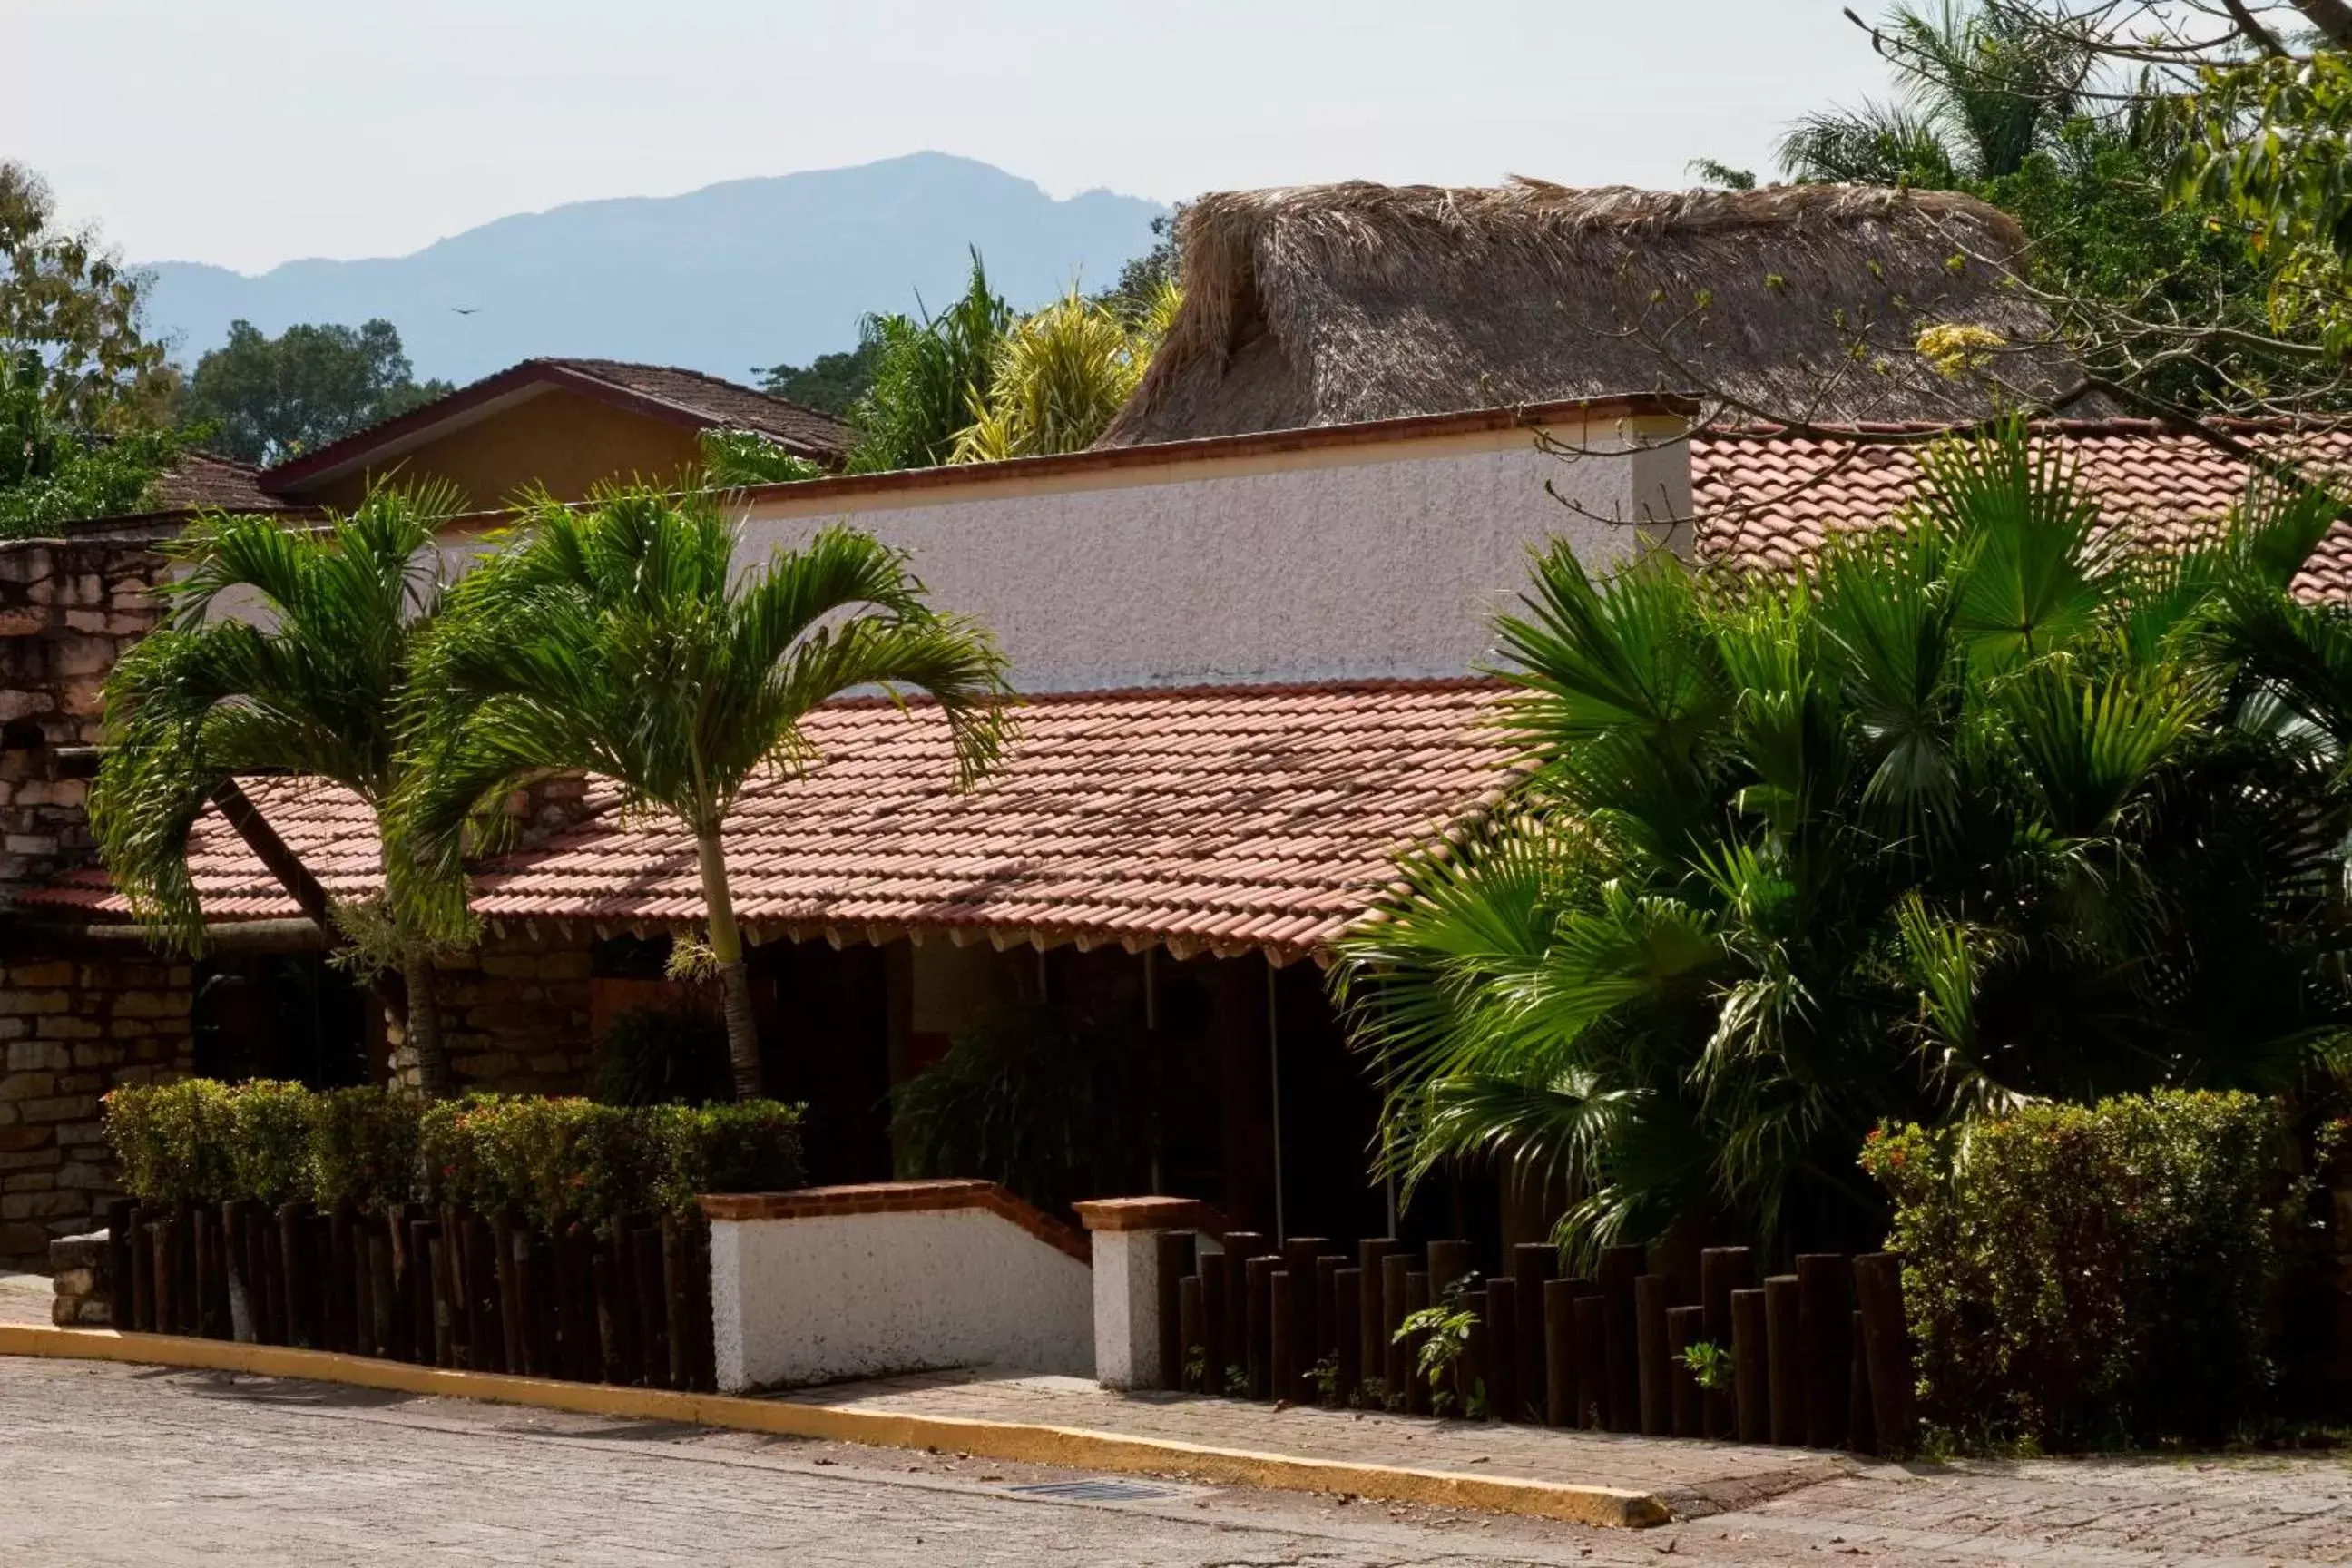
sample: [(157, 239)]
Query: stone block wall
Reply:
[(68, 610), (71, 1028), (516, 1016)]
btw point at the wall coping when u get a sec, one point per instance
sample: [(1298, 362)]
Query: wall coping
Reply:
[(899, 1197), (1148, 1214)]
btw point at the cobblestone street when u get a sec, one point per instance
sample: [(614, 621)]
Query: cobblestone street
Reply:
[(102, 1464)]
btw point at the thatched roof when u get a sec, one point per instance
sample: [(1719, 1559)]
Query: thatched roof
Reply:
[(1330, 304)]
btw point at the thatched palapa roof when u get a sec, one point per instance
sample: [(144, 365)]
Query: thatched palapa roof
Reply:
[(1330, 304)]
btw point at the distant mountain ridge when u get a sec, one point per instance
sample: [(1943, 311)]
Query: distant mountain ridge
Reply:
[(746, 273)]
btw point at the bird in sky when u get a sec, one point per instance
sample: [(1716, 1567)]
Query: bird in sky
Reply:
[(464, 309)]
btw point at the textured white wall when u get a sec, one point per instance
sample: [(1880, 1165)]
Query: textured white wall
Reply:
[(1356, 566), (813, 1301)]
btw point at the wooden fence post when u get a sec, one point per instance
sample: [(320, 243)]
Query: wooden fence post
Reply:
[(142, 1273), (1348, 1322), (677, 1296), (1215, 1275), (243, 1316), (653, 1351), (1502, 1360), (1653, 1360), (1685, 1326), (1326, 1343), (1620, 1266), (1282, 1319), (1751, 1370), (1188, 1320), (1396, 1296), (1560, 1359), (1371, 1341), (1785, 1341), (1860, 1425), (511, 1332), (1534, 1264), (1417, 1391), (118, 1266), (1887, 1344), (1825, 1307), (167, 1294), (1175, 1258), (384, 1295), (1299, 1256), (1257, 1324), (1721, 1271), (293, 1275), (1590, 1313)]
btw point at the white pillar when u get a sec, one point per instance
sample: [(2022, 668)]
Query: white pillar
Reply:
[(1130, 1298)]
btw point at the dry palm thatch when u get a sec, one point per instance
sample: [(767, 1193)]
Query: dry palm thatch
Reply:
[(1330, 304)]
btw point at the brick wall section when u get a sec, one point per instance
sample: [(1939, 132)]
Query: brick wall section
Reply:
[(71, 1028), (67, 610)]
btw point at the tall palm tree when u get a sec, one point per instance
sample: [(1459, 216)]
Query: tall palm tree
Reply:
[(1985, 85), (622, 639), (1988, 807), (313, 684)]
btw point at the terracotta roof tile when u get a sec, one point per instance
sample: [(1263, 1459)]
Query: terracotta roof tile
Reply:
[(1241, 816), (1769, 500)]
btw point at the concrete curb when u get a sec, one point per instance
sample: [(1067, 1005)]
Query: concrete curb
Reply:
[(1072, 1446)]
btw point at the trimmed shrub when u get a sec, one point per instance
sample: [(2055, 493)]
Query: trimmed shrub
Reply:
[(363, 1145), (269, 1145), (2079, 1275), (550, 1162), (173, 1141)]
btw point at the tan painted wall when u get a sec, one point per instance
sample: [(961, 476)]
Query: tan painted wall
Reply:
[(557, 438)]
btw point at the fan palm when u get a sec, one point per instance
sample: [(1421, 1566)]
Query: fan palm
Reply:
[(1986, 86), (620, 640), (1989, 807), (314, 684)]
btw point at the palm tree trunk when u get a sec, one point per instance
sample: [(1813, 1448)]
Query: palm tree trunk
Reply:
[(424, 1022), (726, 949)]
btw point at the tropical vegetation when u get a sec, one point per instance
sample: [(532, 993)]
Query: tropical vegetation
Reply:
[(307, 670), (2093, 1274), (1993, 806), (266, 399), (622, 639)]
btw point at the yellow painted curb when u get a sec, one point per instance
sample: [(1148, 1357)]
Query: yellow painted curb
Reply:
[(1020, 1442)]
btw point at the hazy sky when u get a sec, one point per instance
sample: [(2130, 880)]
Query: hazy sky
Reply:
[(251, 132)]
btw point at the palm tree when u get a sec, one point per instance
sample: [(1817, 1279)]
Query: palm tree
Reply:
[(1988, 808), (622, 640), (1984, 85), (1059, 376), (312, 685)]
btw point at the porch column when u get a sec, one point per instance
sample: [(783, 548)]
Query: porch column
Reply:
[(1129, 1295)]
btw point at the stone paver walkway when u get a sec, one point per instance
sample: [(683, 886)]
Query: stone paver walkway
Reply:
[(1695, 1479)]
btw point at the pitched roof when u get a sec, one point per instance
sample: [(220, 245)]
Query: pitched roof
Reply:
[(1768, 499), (1214, 819), (684, 397), (198, 480), (1327, 304), (331, 830)]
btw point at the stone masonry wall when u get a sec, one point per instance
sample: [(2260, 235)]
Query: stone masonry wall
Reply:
[(516, 1016), (71, 1028), (68, 610)]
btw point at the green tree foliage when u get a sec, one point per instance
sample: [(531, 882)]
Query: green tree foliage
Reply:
[(833, 383), (267, 399), (315, 687), (930, 374), (50, 475), (732, 458), (1145, 281), (621, 639), (1989, 807), (68, 302)]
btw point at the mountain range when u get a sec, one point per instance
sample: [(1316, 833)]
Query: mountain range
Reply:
[(723, 280)]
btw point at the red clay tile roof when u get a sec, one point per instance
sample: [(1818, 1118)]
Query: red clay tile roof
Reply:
[(726, 403), (329, 828), (1769, 500), (1217, 819)]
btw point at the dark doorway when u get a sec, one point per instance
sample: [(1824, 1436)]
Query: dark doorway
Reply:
[(824, 1020), (282, 1015)]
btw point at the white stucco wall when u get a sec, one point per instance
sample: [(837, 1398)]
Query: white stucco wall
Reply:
[(820, 1298), (1371, 562)]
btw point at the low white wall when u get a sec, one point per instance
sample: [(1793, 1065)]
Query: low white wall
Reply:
[(822, 1297)]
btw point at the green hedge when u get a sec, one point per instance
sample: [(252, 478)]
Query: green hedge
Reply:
[(2092, 1274), (548, 1161)]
